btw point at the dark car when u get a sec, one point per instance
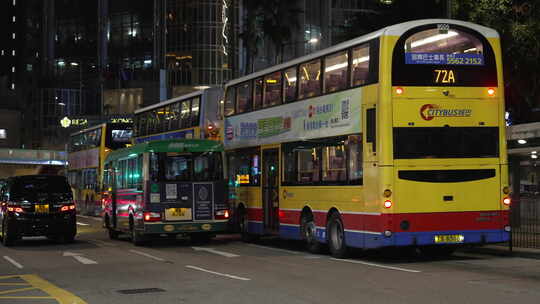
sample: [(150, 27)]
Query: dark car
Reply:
[(37, 205)]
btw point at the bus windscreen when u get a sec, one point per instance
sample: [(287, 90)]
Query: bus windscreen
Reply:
[(443, 55)]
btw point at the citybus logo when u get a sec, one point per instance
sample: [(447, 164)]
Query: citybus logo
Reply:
[(430, 111)]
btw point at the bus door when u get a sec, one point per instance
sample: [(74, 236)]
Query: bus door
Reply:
[(270, 187)]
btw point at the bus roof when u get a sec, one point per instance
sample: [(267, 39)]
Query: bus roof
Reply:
[(393, 30), (169, 145), (175, 99)]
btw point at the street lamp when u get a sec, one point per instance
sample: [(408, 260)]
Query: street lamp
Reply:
[(310, 41)]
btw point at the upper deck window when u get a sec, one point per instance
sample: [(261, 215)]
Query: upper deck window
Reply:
[(443, 55)]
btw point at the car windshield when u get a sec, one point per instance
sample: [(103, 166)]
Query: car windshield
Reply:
[(36, 188)]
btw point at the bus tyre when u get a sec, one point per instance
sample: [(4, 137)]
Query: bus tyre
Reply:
[(8, 237), (243, 225), (113, 234), (336, 236), (137, 238), (308, 231)]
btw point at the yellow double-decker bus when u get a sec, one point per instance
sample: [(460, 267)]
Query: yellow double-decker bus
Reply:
[(87, 150), (395, 138)]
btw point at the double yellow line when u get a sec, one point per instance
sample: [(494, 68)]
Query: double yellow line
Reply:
[(28, 282)]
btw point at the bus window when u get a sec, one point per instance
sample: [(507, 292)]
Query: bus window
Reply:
[(207, 167), (230, 98), (244, 167), (257, 102), (154, 167), (290, 84), (195, 109), (272, 93), (175, 116), (184, 114), (360, 65), (178, 168), (244, 98), (310, 79), (333, 159), (356, 174), (335, 72)]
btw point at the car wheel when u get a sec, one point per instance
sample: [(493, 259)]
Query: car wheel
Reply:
[(8, 236), (243, 223), (336, 237), (308, 230)]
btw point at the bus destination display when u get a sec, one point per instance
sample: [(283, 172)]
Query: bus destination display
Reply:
[(444, 59)]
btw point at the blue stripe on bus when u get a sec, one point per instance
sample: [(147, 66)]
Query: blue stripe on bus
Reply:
[(289, 232)]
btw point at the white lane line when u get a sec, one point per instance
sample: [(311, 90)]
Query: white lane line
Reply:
[(218, 273), (212, 250), (274, 249), (148, 255), (376, 265), (12, 261), (98, 219), (82, 224), (83, 260)]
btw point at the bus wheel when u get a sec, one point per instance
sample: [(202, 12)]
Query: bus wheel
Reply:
[(136, 237), (243, 223), (336, 236), (308, 230), (113, 234)]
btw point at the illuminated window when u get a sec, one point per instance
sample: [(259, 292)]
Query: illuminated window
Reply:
[(243, 104), (335, 72), (290, 84), (310, 79), (3, 134), (272, 93), (360, 65), (230, 97), (257, 102)]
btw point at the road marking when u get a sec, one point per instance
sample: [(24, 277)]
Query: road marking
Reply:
[(82, 224), (98, 219), (80, 258), (274, 249), (376, 265), (12, 261), (212, 250), (60, 295), (148, 255), (3, 292), (218, 273)]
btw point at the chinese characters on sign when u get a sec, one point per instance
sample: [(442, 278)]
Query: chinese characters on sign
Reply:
[(444, 59)]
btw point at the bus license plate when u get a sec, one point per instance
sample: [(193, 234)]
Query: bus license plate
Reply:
[(172, 214), (451, 238), (42, 208)]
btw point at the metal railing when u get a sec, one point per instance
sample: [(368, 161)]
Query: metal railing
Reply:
[(525, 222), (33, 157)]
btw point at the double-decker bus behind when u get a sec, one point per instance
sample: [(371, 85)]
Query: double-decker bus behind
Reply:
[(194, 115), (87, 150), (395, 138), (166, 187)]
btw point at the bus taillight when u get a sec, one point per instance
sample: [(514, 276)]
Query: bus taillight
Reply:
[(507, 201), (387, 204), (222, 214), (399, 91), (152, 217), (491, 92)]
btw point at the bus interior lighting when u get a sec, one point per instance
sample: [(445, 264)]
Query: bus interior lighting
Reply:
[(522, 141)]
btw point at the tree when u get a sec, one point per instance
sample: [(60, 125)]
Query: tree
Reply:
[(273, 20), (518, 23)]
